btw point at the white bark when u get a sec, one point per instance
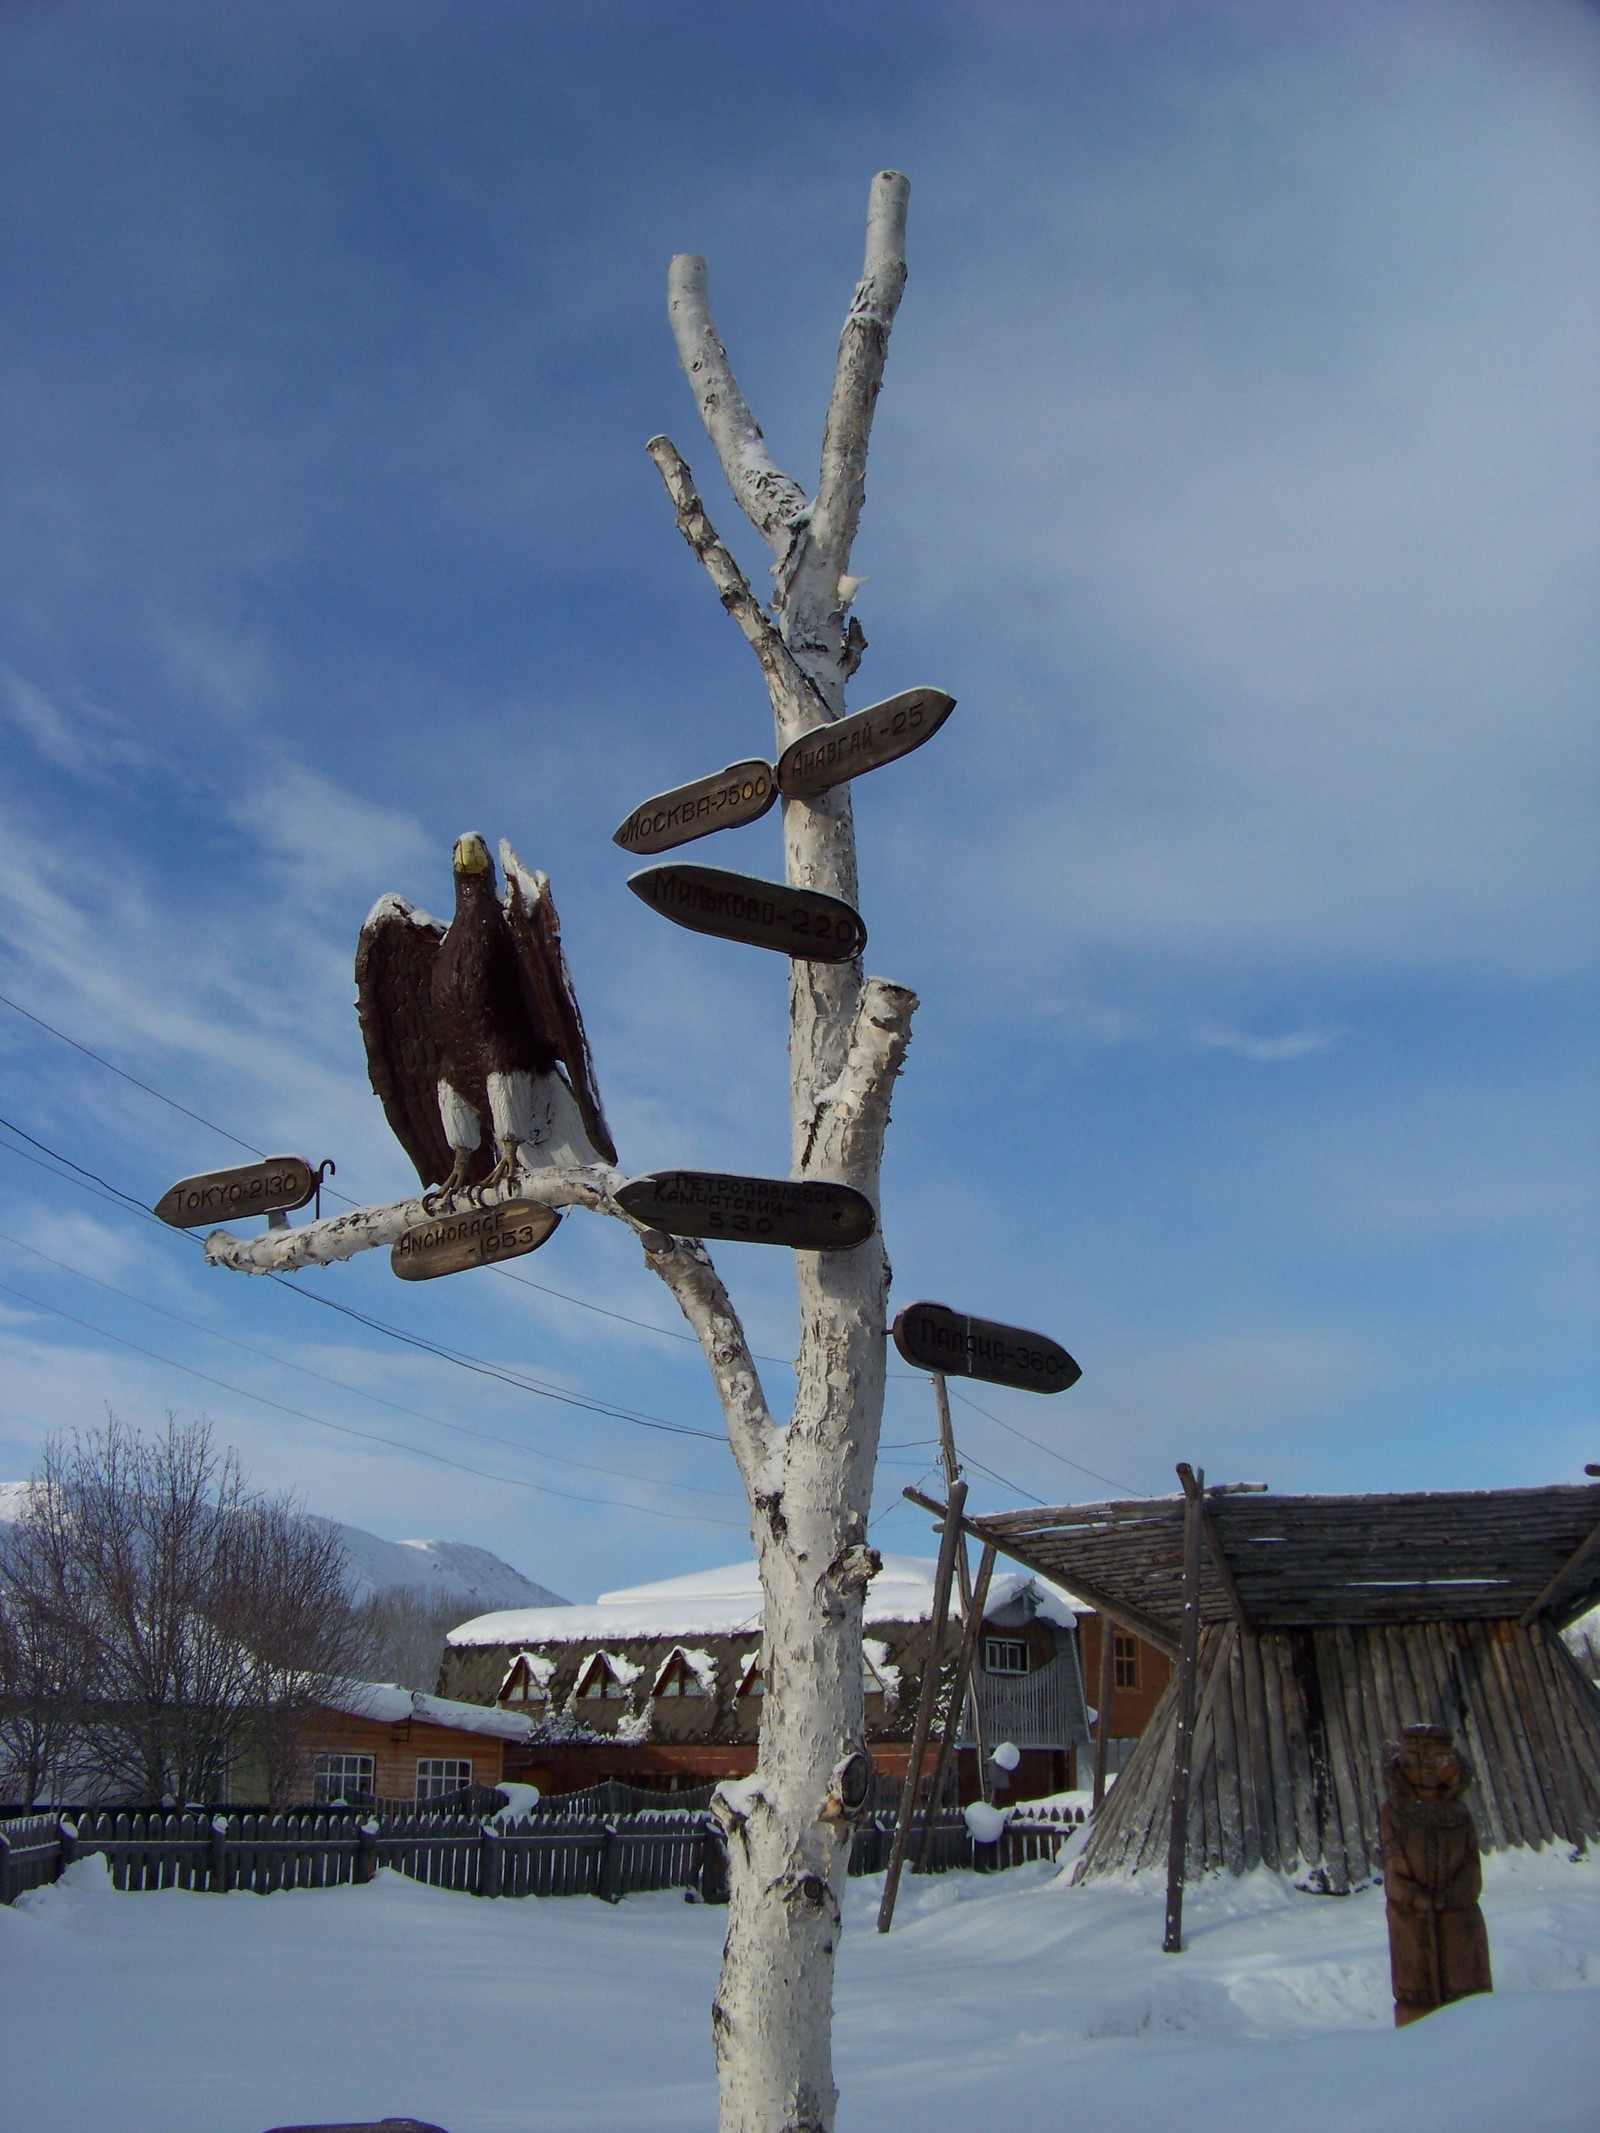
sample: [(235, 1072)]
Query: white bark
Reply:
[(810, 1492), (809, 1485)]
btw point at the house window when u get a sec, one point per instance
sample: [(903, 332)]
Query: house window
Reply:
[(440, 1775), (599, 1681), (678, 1678), (340, 1777), (1005, 1655), (1124, 1661)]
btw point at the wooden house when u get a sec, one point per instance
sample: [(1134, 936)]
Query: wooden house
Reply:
[(370, 1740), (1327, 1623), (662, 1684)]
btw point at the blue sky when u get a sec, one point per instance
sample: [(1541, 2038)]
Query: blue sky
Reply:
[(1236, 471)]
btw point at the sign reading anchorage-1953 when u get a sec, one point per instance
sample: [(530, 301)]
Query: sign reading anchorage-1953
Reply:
[(482, 1237)]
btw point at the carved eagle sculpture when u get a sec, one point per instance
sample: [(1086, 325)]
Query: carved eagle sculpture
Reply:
[(469, 1026)]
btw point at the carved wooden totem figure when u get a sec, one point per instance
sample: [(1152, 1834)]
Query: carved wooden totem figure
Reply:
[(1438, 1945)]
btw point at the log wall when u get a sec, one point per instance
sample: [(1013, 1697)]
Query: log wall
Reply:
[(1288, 1769)]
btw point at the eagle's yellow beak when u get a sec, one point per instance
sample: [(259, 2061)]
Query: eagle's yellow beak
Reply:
[(471, 854)]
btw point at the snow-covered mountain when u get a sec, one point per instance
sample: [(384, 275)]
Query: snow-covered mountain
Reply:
[(453, 1571)]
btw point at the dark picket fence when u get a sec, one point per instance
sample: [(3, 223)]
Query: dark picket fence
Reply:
[(552, 1851)]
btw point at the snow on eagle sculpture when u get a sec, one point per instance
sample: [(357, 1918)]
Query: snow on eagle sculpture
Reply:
[(469, 1026)]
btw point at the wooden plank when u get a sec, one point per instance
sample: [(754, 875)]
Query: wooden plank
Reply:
[(1103, 1722), (1162, 1635), (1561, 1776), (830, 754), (1224, 1570), (1542, 1826), (1259, 1746), (806, 1214), (1297, 1753), (1177, 1847), (972, 1631), (949, 1542), (803, 924), (930, 1336), (1503, 1751), (478, 1236), (274, 1185), (1240, 1840), (1585, 1550), (728, 799)]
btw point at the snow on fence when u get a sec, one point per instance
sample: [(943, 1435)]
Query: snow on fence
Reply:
[(550, 1852)]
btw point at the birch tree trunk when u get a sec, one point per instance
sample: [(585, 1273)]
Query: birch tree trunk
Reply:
[(809, 1485)]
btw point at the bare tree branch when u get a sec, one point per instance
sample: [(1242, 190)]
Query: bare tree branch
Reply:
[(796, 704), (849, 1119), (685, 1266), (858, 374), (774, 503), (364, 1229)]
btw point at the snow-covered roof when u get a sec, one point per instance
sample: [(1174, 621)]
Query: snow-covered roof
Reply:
[(392, 1706), (726, 1601)]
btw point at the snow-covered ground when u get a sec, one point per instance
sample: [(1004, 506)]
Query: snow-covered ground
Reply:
[(1005, 2000)]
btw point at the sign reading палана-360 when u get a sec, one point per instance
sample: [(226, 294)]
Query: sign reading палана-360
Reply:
[(802, 923), (932, 1337), (482, 1236), (828, 755), (281, 1181), (807, 1214), (741, 793)]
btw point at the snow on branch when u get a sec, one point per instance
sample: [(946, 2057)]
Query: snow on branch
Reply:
[(365, 1229), (795, 701), (774, 503)]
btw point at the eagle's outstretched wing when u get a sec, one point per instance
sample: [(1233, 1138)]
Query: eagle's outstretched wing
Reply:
[(394, 998), (531, 915)]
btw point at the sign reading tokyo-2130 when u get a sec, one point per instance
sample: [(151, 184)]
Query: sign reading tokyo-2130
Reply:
[(829, 755), (483, 1236), (269, 1187), (932, 1337), (741, 793)]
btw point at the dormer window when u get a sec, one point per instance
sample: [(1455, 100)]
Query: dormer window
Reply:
[(526, 1681), (1005, 1655), (599, 1681), (678, 1678)]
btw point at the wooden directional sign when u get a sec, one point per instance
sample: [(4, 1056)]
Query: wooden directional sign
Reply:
[(801, 923), (932, 1337), (806, 1215), (481, 1236), (253, 1189), (828, 755), (741, 793)]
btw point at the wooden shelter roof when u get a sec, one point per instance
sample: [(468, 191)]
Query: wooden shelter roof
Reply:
[(1277, 1562)]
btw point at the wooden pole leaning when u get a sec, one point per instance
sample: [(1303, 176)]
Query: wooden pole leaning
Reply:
[(1188, 1655), (952, 1726), (952, 1472), (1108, 1684), (949, 1542)]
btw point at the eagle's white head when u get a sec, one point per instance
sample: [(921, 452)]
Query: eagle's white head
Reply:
[(471, 854)]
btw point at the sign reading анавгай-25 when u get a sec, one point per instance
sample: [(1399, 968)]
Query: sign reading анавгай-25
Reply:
[(933, 1337), (741, 793), (807, 1214), (486, 1235), (763, 914), (828, 755), (281, 1182)]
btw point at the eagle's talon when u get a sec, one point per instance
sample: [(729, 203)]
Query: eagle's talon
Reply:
[(508, 1171)]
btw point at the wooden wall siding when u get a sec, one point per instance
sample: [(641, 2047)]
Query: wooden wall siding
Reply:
[(1289, 1737), (1131, 1710), (395, 1750)]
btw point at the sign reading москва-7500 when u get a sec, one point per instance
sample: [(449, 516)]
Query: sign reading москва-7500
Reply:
[(763, 914), (828, 755), (282, 1181), (482, 1237), (932, 1337), (741, 793)]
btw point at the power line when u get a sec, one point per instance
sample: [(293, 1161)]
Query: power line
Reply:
[(360, 1391), (1048, 1450), (344, 1429)]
